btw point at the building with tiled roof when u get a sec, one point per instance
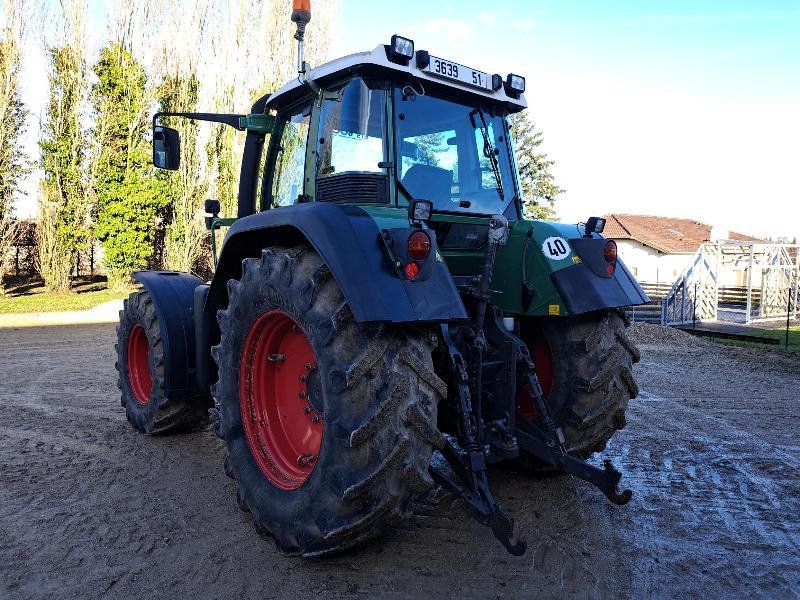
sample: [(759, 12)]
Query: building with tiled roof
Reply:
[(656, 249)]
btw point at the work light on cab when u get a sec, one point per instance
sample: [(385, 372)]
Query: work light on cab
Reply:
[(515, 85), (419, 245), (420, 211), (401, 50)]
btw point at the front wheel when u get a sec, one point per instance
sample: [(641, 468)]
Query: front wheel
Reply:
[(140, 367), (329, 424)]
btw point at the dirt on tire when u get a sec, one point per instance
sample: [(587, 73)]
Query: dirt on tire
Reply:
[(379, 397), (91, 508), (592, 382)]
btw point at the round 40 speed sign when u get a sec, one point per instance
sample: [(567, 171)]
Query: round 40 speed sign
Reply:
[(556, 248)]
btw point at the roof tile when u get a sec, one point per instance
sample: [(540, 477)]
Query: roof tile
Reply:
[(666, 234)]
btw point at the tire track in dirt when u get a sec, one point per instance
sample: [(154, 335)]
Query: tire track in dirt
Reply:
[(89, 508)]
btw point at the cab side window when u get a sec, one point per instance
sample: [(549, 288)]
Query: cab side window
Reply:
[(287, 182)]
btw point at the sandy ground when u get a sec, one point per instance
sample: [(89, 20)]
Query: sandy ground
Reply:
[(107, 312), (89, 508)]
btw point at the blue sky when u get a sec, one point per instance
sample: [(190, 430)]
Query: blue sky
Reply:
[(678, 108)]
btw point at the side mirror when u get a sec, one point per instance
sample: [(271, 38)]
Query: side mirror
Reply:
[(166, 148), (212, 207)]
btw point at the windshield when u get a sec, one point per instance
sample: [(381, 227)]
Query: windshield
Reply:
[(452, 154)]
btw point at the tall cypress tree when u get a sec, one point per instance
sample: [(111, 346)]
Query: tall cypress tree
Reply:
[(129, 197), (13, 163)]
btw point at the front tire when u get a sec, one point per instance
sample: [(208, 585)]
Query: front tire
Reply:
[(140, 374), (372, 389)]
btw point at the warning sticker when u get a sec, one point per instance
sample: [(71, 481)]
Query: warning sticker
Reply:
[(555, 248)]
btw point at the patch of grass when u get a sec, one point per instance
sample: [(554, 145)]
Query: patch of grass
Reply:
[(32, 297), (778, 334)]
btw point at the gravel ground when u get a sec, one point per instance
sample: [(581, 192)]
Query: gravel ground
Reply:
[(89, 508)]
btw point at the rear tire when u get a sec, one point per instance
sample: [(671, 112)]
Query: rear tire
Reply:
[(140, 368), (376, 394), (592, 380)]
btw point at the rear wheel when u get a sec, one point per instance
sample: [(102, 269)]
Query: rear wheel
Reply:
[(584, 364), (329, 424), (140, 367)]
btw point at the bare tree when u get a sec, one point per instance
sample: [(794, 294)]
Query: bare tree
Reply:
[(180, 41), (65, 214), (252, 52), (9, 234)]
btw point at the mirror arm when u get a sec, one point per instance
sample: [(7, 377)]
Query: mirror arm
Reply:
[(260, 123), (235, 121)]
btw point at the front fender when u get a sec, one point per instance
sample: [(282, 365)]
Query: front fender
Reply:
[(172, 293), (348, 238)]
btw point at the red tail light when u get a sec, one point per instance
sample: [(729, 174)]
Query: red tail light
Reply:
[(419, 245), (610, 251), (412, 270)]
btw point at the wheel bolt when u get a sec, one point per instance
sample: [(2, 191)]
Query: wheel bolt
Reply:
[(302, 394), (315, 419), (307, 409), (308, 366), (303, 378), (305, 459)]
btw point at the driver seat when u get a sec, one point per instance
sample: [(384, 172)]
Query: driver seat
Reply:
[(429, 183)]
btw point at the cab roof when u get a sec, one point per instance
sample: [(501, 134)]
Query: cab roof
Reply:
[(377, 61)]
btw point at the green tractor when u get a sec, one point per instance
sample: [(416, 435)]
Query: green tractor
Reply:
[(382, 319)]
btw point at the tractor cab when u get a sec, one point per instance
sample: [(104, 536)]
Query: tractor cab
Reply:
[(391, 126)]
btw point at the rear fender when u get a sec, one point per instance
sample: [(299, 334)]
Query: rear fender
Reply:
[(352, 242), (172, 293)]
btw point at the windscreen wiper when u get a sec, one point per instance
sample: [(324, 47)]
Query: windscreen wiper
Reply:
[(489, 151)]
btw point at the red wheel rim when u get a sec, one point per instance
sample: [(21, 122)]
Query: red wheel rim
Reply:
[(543, 359), (139, 365), (280, 399)]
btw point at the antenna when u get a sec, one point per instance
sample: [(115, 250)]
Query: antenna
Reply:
[(301, 14)]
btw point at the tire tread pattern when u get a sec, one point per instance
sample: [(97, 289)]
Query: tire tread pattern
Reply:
[(379, 462)]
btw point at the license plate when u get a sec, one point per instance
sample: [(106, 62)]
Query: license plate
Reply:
[(466, 75)]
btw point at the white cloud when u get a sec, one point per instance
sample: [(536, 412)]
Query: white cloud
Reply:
[(523, 25), (488, 19), (454, 30)]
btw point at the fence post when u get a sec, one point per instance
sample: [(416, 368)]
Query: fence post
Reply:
[(718, 253), (749, 287), (788, 314)]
